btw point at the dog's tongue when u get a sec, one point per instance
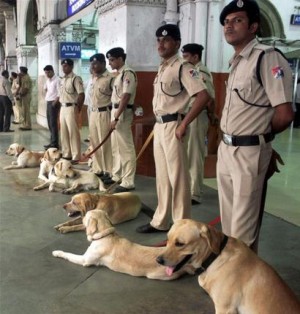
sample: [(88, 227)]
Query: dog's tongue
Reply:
[(169, 270)]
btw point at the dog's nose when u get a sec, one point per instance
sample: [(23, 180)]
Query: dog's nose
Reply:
[(160, 260)]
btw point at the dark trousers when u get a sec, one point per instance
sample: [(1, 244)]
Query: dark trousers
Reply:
[(5, 113), (52, 117)]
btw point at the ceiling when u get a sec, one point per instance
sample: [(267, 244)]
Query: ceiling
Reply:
[(4, 6)]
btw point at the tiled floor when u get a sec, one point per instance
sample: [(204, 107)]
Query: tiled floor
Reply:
[(32, 281)]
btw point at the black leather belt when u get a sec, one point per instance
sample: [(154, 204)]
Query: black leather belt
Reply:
[(246, 140), (168, 118), (67, 104), (100, 109), (116, 106)]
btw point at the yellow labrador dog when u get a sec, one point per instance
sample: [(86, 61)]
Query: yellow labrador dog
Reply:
[(25, 158), (63, 177), (109, 249), (120, 207), (50, 158), (236, 279)]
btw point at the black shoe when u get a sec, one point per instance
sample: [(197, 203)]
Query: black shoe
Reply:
[(194, 202), (121, 189), (50, 146), (8, 131), (86, 140), (14, 122), (67, 158), (148, 229), (109, 182), (25, 129)]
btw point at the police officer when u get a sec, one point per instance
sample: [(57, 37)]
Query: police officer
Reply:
[(123, 95), (199, 126), (176, 82), (99, 126), (253, 112), (71, 97), (24, 94)]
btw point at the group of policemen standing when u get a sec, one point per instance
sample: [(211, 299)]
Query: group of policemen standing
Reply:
[(257, 106), (15, 97)]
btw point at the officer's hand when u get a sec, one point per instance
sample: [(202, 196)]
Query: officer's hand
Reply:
[(113, 124), (180, 132), (273, 166)]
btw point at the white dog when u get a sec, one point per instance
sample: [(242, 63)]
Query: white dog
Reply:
[(25, 157), (50, 158), (117, 253), (63, 177)]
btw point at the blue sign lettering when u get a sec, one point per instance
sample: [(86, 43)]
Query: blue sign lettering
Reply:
[(73, 6), (70, 50), (295, 19)]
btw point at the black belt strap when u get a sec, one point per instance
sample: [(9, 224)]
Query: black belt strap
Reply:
[(250, 140), (100, 109), (69, 104), (116, 106), (170, 117)]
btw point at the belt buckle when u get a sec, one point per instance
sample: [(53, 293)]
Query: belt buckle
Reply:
[(159, 119), (227, 139)]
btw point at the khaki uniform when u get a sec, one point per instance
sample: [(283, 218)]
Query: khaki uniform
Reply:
[(25, 101), (99, 126), (196, 140), (241, 170), (172, 177), (17, 104), (123, 150), (71, 87)]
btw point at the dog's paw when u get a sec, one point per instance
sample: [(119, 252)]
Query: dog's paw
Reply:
[(57, 253), (63, 229)]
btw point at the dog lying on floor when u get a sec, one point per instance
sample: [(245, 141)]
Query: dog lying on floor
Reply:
[(63, 177), (120, 207), (117, 253), (236, 279), (50, 158), (25, 157)]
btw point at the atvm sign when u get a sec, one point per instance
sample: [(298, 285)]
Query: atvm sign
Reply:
[(71, 50)]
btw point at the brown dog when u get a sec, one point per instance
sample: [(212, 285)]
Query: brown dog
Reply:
[(119, 207), (25, 158), (236, 279), (109, 249)]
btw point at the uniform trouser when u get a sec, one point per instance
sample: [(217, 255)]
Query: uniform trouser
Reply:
[(69, 133), (196, 154), (241, 173), (5, 113), (123, 150), (16, 109), (172, 177), (25, 111), (52, 118), (99, 126)]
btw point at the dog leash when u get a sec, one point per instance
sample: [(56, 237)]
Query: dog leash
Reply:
[(149, 138), (97, 147)]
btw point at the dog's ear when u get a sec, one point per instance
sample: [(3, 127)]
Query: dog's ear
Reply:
[(46, 155), (91, 226), (19, 149), (209, 233)]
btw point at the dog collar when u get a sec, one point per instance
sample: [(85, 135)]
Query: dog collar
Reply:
[(211, 258)]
